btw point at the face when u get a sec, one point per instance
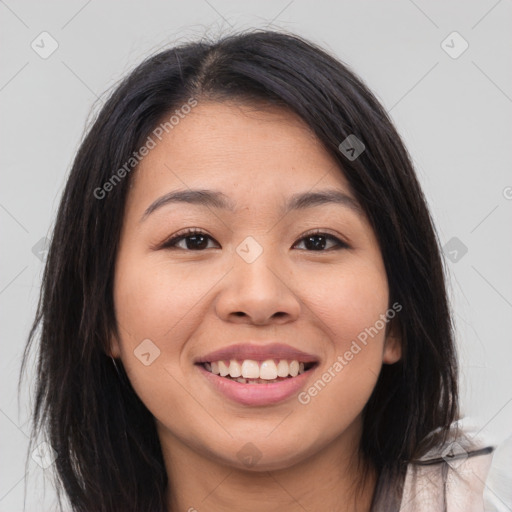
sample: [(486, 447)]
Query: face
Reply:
[(257, 272)]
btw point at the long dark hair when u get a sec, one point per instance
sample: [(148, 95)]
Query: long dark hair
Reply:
[(109, 456)]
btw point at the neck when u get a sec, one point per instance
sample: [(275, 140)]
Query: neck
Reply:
[(333, 478)]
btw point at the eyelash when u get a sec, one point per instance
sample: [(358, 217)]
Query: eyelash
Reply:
[(171, 243)]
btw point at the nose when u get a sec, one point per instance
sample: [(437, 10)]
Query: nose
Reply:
[(258, 293)]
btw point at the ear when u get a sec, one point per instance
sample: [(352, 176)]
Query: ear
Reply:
[(393, 343), (114, 350)]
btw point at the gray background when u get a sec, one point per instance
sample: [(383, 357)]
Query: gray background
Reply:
[(454, 115)]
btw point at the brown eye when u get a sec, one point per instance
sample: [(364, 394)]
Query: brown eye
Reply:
[(195, 240), (318, 241)]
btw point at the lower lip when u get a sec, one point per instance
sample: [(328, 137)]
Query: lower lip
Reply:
[(257, 394)]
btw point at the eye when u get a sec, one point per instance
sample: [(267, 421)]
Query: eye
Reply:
[(317, 240), (194, 239), (197, 240)]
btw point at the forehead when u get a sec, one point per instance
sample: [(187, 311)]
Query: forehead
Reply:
[(252, 154)]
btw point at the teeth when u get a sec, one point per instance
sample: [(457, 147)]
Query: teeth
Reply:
[(248, 370), (283, 368), (234, 369), (268, 370), (223, 369)]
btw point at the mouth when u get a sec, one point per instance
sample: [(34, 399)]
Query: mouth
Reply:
[(257, 383), (250, 371), (253, 374)]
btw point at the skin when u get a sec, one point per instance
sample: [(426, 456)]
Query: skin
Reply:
[(190, 301)]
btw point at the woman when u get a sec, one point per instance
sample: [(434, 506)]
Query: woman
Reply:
[(244, 306)]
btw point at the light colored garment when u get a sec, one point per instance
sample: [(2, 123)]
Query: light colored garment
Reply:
[(465, 476), (498, 486), (455, 486)]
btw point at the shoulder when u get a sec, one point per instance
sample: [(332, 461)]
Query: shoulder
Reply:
[(451, 477)]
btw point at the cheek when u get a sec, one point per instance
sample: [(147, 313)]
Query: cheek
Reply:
[(154, 298), (350, 309), (153, 304), (350, 302), (160, 302)]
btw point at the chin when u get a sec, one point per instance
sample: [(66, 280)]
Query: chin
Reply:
[(265, 453)]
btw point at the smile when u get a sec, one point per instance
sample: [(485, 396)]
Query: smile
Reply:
[(253, 383), (250, 371)]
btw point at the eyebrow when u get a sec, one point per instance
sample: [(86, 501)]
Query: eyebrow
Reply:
[(218, 200)]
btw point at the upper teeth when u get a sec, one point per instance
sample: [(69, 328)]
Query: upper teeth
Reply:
[(250, 369)]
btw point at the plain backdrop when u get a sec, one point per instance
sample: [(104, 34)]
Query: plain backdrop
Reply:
[(451, 104)]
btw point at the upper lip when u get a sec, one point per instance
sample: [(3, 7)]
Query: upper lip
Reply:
[(243, 351)]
